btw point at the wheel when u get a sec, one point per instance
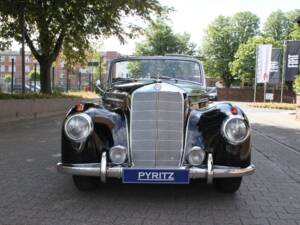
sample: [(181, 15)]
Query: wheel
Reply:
[(228, 185), (85, 183)]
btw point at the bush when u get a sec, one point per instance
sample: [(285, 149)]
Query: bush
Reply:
[(7, 78), (273, 105), (297, 84), (32, 74)]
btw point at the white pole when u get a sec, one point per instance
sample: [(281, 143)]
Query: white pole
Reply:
[(255, 81), (265, 90)]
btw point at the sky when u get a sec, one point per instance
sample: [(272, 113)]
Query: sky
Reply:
[(193, 17)]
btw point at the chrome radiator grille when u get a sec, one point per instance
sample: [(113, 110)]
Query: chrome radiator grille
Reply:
[(156, 129)]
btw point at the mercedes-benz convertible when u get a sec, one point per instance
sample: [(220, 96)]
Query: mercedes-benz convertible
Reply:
[(155, 125)]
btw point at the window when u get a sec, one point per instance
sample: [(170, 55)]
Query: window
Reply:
[(9, 68), (2, 58), (12, 57), (27, 68), (2, 68), (27, 58)]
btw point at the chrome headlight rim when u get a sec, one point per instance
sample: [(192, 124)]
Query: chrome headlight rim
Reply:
[(225, 135), (193, 149), (90, 127), (124, 149)]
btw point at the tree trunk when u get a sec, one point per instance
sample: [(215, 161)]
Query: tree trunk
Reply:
[(45, 76), (227, 83)]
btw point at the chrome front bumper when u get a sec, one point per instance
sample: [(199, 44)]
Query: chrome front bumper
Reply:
[(101, 170)]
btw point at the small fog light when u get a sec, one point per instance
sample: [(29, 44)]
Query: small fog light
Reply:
[(195, 156), (118, 154)]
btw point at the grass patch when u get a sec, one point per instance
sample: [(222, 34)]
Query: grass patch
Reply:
[(73, 94), (273, 105)]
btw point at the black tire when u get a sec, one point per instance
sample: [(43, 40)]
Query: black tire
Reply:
[(85, 183), (228, 185)]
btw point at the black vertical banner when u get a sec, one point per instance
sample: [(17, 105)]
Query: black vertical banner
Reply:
[(292, 60), (275, 66)]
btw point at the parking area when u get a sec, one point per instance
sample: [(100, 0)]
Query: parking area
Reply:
[(32, 192)]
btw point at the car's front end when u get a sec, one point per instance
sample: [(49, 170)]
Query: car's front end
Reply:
[(156, 131)]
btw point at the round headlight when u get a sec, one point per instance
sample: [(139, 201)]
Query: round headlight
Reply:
[(195, 156), (78, 127), (235, 130), (118, 154)]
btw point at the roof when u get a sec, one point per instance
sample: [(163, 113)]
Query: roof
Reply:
[(13, 53)]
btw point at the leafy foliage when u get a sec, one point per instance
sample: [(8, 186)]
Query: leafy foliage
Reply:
[(69, 25), (34, 75), (296, 85), (281, 25), (223, 37), (243, 66), (7, 78), (160, 39)]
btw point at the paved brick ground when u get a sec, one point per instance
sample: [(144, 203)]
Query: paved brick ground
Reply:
[(32, 192)]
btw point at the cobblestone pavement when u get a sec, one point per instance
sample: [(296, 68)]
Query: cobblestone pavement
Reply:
[(32, 192)]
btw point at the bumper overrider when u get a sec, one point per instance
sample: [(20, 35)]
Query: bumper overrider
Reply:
[(103, 171)]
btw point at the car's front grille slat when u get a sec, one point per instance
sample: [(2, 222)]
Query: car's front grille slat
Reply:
[(157, 129)]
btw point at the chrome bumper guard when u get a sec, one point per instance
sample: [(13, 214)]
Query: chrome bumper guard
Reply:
[(102, 171)]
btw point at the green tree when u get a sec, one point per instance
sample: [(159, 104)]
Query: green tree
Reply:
[(222, 39), (277, 25), (296, 85), (51, 26), (245, 25), (32, 75), (160, 39), (243, 66), (294, 33)]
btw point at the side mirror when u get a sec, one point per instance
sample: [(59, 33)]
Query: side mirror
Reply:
[(98, 85)]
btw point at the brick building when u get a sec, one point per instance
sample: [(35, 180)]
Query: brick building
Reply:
[(6, 63), (78, 76)]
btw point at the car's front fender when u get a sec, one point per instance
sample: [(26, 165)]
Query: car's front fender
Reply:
[(110, 128), (204, 129)]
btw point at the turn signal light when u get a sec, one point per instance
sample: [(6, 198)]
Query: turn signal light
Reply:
[(234, 110), (79, 107)]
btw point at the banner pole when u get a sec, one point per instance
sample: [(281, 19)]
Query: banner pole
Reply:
[(255, 81), (265, 90), (283, 70)]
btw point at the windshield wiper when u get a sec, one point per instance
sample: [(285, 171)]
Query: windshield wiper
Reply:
[(163, 77)]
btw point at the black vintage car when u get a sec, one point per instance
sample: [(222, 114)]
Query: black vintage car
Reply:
[(156, 125)]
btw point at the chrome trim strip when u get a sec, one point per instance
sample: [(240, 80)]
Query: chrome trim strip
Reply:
[(186, 137), (88, 169), (128, 143), (210, 172), (93, 169), (103, 168)]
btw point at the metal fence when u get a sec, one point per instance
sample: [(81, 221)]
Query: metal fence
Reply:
[(70, 81)]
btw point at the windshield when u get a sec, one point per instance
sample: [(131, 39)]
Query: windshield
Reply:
[(157, 68)]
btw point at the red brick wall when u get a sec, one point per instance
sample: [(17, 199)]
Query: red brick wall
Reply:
[(247, 94)]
